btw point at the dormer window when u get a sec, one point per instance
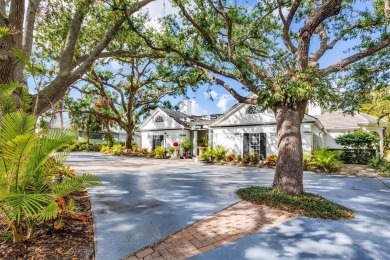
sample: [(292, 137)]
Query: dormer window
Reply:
[(159, 119), (252, 110)]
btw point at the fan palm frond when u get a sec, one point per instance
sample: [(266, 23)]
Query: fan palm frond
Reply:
[(15, 205)]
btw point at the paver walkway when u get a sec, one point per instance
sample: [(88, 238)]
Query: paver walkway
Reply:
[(237, 221)]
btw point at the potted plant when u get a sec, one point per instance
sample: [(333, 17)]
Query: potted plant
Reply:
[(186, 145), (175, 146), (202, 142)]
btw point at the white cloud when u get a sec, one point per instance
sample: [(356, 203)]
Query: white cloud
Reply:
[(223, 102), (285, 12), (156, 10), (212, 93), (161, 8), (115, 65), (197, 110)]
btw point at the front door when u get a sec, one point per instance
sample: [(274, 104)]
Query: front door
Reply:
[(157, 141)]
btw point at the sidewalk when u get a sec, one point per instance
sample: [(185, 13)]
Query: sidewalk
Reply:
[(228, 225)]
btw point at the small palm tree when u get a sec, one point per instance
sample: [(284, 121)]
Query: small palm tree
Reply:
[(28, 164), (327, 161)]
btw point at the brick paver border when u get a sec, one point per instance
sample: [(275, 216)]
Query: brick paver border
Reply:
[(224, 227)]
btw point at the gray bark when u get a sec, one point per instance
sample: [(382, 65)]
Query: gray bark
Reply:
[(289, 168)]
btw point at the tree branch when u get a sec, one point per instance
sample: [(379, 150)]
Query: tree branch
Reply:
[(120, 54), (57, 88), (231, 90), (287, 23), (328, 9), (361, 55)]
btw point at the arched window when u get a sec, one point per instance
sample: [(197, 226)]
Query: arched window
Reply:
[(252, 110), (159, 119)]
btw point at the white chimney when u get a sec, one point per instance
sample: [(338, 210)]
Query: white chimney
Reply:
[(314, 110), (186, 107)]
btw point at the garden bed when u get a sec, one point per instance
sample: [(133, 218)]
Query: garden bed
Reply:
[(305, 204), (74, 241)]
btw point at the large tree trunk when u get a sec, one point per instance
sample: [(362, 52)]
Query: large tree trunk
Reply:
[(129, 139), (289, 168)]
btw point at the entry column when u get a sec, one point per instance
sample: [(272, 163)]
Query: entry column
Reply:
[(194, 143)]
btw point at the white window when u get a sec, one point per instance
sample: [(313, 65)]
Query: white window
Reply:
[(159, 119), (253, 110), (254, 143), (316, 145)]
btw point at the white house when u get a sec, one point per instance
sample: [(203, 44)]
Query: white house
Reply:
[(244, 128)]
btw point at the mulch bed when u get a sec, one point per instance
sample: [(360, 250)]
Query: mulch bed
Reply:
[(74, 241)]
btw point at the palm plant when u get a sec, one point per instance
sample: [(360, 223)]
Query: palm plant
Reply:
[(29, 186), (327, 161)]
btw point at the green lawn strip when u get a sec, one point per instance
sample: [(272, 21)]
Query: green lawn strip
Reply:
[(306, 204)]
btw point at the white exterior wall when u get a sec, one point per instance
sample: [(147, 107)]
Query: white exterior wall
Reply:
[(232, 138), (172, 136)]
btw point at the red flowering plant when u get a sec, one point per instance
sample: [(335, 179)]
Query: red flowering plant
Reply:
[(175, 143), (202, 144)]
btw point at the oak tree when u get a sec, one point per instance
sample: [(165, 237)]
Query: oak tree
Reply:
[(126, 96), (278, 50), (84, 31)]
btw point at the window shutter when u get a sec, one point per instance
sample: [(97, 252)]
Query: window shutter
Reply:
[(263, 146), (246, 143), (154, 142)]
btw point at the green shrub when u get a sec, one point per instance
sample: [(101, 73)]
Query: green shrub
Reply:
[(117, 149), (327, 161), (359, 146), (382, 165), (78, 146), (152, 154), (106, 149), (159, 151), (219, 153), (186, 144), (238, 158), (306, 162), (171, 150), (255, 158), (358, 140), (230, 157), (271, 160), (247, 158), (109, 138), (208, 155)]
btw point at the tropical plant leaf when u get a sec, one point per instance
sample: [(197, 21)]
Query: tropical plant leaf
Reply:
[(4, 31), (14, 124), (17, 205), (47, 213)]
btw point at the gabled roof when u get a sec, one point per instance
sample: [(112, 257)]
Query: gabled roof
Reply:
[(306, 119), (177, 116), (338, 120)]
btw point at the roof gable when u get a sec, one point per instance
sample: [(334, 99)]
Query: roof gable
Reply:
[(238, 115), (163, 119)]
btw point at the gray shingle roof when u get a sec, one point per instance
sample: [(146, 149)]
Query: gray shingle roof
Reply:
[(332, 120), (177, 116)]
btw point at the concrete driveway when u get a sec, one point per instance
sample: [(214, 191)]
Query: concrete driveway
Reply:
[(144, 200)]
